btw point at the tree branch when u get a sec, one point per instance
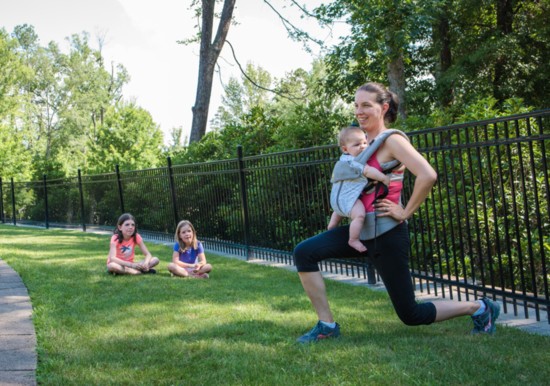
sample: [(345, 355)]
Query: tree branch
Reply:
[(293, 100), (293, 31)]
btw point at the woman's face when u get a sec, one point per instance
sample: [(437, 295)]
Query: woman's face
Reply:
[(186, 234), (369, 113), (127, 228)]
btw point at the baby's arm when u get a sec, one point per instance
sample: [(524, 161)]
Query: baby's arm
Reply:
[(375, 174)]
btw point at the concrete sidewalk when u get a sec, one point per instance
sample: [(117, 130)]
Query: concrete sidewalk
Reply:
[(17, 336)]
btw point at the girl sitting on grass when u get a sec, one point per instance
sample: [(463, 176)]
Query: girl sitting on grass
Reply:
[(122, 251), (188, 259)]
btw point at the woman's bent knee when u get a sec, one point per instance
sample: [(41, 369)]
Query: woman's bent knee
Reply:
[(419, 314)]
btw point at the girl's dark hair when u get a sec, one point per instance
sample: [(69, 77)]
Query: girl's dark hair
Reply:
[(383, 95), (121, 220)]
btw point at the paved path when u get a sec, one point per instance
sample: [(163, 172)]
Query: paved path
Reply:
[(17, 337)]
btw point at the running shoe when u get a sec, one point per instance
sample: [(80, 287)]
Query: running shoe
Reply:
[(320, 331), (486, 322)]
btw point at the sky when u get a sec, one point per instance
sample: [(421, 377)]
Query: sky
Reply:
[(142, 36)]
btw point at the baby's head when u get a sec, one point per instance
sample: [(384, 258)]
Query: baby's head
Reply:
[(352, 140)]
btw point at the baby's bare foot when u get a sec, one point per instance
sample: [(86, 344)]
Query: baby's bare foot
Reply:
[(357, 244)]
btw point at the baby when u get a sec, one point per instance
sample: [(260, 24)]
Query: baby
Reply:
[(353, 141)]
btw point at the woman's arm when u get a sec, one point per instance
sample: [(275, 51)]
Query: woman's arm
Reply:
[(401, 149)]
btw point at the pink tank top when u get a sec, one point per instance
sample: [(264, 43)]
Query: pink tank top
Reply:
[(394, 189)]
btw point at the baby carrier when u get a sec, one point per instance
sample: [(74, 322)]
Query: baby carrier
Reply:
[(348, 180)]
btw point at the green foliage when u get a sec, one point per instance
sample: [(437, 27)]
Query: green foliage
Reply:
[(488, 55), (55, 107), (15, 160), (128, 138)]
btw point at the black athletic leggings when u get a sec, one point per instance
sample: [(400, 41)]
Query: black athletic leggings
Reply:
[(390, 256)]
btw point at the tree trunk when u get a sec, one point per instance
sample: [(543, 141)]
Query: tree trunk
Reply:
[(396, 76), (445, 88), (209, 53), (505, 20)]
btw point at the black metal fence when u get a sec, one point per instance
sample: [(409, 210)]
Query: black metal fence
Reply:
[(484, 228)]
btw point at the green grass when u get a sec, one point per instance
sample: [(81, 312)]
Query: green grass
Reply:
[(238, 328)]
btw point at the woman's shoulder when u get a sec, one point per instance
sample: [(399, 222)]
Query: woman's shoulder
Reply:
[(395, 145)]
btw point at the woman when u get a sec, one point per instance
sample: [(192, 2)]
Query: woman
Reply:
[(385, 232)]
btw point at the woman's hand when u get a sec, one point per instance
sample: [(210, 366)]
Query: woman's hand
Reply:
[(387, 208)]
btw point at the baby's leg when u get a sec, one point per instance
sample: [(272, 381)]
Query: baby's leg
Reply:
[(357, 220), (335, 219)]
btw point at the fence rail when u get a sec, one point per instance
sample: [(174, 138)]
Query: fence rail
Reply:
[(484, 228)]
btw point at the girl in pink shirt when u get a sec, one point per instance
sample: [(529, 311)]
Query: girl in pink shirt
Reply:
[(122, 250)]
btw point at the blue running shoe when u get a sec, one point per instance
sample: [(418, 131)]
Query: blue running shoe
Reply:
[(486, 322), (320, 331)]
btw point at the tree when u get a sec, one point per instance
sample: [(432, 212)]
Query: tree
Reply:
[(128, 137), (63, 103), (15, 160), (241, 96), (379, 47), (443, 54), (209, 53)]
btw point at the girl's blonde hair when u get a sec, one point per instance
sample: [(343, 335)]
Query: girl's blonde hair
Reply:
[(194, 242)]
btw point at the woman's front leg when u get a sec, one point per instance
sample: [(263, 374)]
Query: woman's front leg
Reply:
[(314, 285)]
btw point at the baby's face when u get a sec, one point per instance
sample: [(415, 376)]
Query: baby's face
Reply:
[(356, 142)]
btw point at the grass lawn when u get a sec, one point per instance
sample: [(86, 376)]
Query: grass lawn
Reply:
[(237, 328)]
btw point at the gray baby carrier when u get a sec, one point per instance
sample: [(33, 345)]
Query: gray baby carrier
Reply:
[(348, 180)]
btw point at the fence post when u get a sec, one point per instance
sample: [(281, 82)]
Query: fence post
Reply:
[(81, 201), (371, 273), (13, 201), (119, 189), (46, 217), (244, 201), (173, 190), (1, 201)]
